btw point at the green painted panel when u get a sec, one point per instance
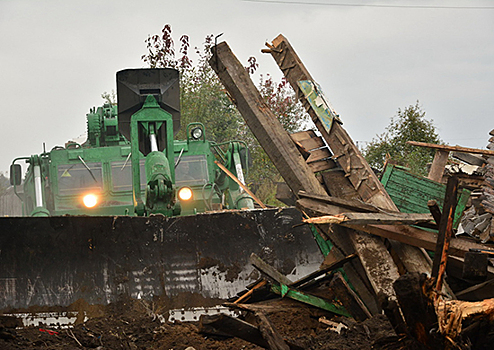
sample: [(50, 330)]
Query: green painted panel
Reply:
[(411, 192)]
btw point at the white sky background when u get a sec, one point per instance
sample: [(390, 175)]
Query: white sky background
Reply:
[(58, 56)]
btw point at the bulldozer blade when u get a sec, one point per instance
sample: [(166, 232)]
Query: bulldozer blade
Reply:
[(56, 261)]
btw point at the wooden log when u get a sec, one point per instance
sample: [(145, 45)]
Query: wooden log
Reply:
[(271, 336), (343, 246), (452, 148), (348, 298), (417, 308)]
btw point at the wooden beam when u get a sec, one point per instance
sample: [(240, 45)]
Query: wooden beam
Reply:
[(452, 148), (356, 168), (438, 164), (372, 219), (435, 211), (417, 237), (262, 122), (267, 269), (269, 333), (345, 151)]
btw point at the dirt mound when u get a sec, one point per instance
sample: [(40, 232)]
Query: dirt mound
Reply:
[(133, 324)]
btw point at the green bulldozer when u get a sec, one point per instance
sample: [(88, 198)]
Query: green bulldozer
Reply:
[(134, 212)]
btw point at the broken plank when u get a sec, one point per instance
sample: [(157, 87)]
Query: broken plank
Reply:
[(303, 135), (378, 266), (477, 292), (267, 269), (348, 298), (372, 219), (318, 155), (469, 158), (322, 165), (312, 143), (269, 333), (353, 204), (341, 144)]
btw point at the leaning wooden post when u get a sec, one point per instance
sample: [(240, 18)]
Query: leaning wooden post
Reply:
[(445, 232), (438, 164)]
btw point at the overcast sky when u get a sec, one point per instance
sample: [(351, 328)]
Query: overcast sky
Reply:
[(58, 56)]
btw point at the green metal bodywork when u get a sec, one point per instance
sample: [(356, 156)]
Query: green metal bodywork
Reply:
[(411, 192), (136, 176)]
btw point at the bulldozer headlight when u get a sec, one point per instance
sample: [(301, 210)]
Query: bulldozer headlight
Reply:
[(185, 194), (90, 200), (196, 133)]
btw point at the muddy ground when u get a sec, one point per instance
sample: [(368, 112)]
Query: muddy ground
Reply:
[(131, 324)]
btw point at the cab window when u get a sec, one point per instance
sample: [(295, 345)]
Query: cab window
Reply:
[(121, 173), (192, 170), (76, 178)]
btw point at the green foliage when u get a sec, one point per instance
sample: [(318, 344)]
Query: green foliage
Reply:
[(203, 99), (409, 124), (110, 97)]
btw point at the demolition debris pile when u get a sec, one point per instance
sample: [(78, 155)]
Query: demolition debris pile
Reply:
[(376, 236)]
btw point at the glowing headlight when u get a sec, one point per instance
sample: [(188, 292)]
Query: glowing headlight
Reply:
[(196, 133), (90, 200), (185, 194)]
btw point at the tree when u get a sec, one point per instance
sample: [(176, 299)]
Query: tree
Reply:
[(409, 124), (203, 99)]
